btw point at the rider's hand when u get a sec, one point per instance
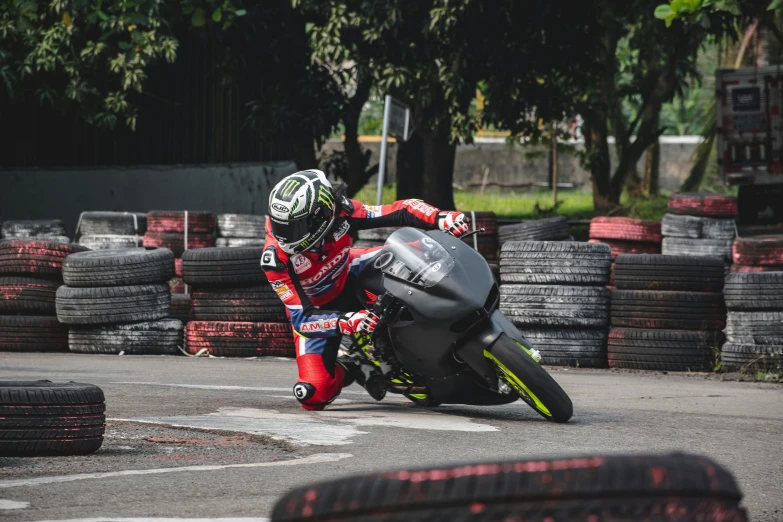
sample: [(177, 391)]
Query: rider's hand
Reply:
[(363, 321), (455, 222)]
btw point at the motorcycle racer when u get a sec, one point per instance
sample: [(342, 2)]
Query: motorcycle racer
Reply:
[(310, 263)]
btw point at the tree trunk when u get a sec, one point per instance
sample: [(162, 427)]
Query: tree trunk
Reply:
[(597, 151), (356, 158), (410, 167), (438, 172), (652, 167)]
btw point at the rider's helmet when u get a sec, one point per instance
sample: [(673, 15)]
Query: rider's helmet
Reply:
[(301, 210)]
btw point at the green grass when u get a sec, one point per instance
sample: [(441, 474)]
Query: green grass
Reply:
[(535, 205)]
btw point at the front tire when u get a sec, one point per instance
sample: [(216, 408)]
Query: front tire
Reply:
[(517, 368)]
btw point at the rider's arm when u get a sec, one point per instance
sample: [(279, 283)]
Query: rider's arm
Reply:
[(405, 213), (305, 318)]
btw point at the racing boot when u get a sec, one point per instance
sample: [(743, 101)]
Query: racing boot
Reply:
[(365, 374)]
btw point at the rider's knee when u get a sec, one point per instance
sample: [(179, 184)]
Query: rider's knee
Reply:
[(313, 399)]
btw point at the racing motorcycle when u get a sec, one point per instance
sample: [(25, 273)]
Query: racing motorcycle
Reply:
[(441, 329)]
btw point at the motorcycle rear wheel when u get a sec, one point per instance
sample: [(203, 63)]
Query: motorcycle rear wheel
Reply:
[(516, 367)]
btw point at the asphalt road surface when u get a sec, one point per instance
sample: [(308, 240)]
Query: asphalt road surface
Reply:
[(222, 438)]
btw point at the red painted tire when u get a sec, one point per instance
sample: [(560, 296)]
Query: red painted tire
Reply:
[(703, 204), (765, 268), (32, 333), (240, 339), (628, 247), (176, 242), (625, 229), (675, 487), (174, 222), (27, 296), (485, 243), (758, 251), (35, 258)]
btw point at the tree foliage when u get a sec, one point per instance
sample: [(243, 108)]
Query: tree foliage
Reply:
[(91, 56)]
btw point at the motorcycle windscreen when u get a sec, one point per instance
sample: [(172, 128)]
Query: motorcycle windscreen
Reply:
[(413, 256)]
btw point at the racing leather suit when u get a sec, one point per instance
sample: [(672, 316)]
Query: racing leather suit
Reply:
[(310, 285)]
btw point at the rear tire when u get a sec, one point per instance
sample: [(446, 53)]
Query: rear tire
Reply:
[(517, 368)]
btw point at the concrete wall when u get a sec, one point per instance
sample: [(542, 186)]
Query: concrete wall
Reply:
[(526, 165), (64, 193)]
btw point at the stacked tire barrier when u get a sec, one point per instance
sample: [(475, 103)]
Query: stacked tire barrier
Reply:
[(485, 243), (51, 230), (374, 237), (30, 274), (235, 312), (554, 293), (754, 329), (700, 224), (550, 229), (41, 418), (111, 230), (241, 230), (757, 254), (179, 232), (667, 312), (626, 236), (118, 301)]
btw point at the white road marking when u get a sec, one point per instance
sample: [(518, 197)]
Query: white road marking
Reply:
[(37, 481), (335, 426), (220, 387), (142, 519), (13, 504)]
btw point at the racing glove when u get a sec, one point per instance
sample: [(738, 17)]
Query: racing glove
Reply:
[(454, 222), (363, 321)]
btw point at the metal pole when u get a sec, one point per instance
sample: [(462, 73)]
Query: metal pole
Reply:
[(385, 136)]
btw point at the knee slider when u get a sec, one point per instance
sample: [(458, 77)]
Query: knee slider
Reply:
[(303, 391)]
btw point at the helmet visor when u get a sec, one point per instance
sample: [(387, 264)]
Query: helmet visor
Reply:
[(300, 234)]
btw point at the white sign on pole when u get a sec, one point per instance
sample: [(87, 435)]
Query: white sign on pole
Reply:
[(397, 120)]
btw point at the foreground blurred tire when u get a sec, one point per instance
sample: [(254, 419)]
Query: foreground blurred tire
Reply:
[(674, 487)]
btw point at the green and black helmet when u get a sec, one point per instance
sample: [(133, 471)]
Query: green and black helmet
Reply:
[(301, 210)]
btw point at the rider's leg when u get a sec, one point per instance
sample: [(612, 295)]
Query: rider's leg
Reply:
[(320, 377)]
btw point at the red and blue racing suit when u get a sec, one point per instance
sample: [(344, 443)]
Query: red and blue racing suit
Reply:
[(310, 285)]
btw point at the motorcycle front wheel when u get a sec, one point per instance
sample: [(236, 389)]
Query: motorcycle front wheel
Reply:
[(516, 367)]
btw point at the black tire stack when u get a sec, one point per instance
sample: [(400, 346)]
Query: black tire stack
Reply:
[(667, 312), (555, 293), (111, 230), (374, 237), (179, 231), (41, 418), (235, 311), (241, 230), (549, 229), (51, 230), (699, 225), (626, 236), (485, 243), (30, 274), (754, 328), (118, 301)]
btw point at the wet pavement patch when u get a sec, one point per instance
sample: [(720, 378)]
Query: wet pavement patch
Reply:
[(131, 445)]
